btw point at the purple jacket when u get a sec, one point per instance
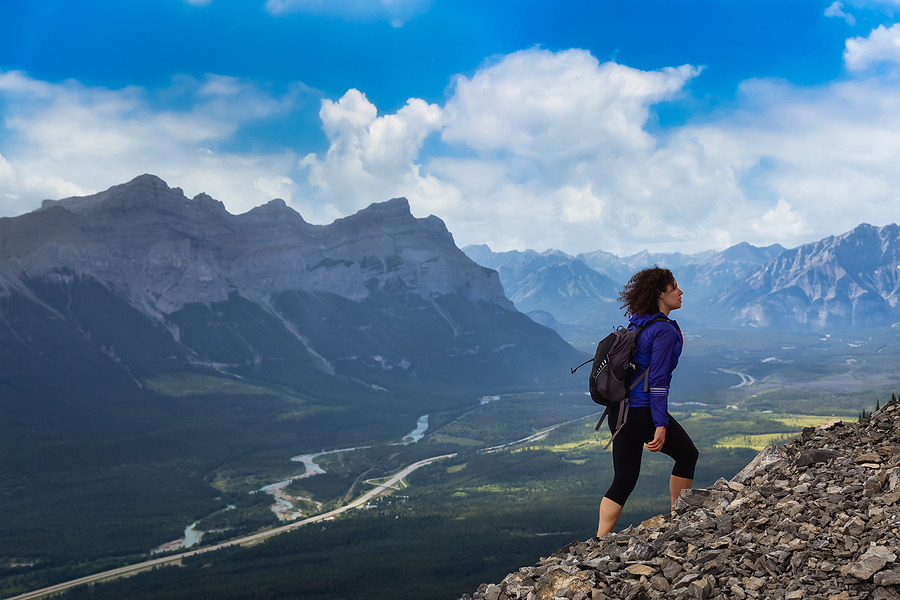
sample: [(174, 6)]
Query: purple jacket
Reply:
[(658, 346)]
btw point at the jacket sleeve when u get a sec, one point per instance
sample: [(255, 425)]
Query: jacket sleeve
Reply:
[(661, 351)]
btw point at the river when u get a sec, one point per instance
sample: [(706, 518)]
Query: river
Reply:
[(284, 507)]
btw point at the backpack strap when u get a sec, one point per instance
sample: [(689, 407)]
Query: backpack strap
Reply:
[(581, 365), (600, 422), (620, 422), (645, 377)]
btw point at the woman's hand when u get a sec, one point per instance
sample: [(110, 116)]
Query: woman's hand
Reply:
[(659, 440)]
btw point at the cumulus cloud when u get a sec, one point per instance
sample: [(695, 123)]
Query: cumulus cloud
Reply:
[(836, 10), (69, 139), (548, 149), (781, 221), (396, 12), (536, 149), (553, 137), (882, 46), (537, 103), (372, 158)]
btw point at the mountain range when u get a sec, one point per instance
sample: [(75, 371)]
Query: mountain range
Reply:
[(113, 306), (849, 280)]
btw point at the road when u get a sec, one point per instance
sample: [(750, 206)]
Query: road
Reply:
[(536, 436), (248, 540), (745, 379)]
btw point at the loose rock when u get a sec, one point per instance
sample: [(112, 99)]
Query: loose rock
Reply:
[(817, 518)]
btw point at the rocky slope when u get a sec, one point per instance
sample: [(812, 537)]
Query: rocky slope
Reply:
[(817, 519)]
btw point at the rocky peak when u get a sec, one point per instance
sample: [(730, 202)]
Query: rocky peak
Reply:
[(745, 253), (816, 519), (847, 280), (144, 197), (165, 250)]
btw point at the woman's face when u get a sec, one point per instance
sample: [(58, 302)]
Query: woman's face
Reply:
[(670, 299)]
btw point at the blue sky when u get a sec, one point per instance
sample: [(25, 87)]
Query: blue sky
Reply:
[(569, 124)]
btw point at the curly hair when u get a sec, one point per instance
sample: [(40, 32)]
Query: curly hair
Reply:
[(640, 295)]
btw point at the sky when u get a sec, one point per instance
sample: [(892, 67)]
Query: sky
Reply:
[(567, 124)]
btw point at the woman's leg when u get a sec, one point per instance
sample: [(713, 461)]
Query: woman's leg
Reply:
[(609, 514), (626, 450), (676, 484), (680, 447)]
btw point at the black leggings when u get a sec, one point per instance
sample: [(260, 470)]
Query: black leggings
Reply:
[(629, 445)]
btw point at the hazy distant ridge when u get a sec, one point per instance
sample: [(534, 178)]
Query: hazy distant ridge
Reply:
[(849, 280)]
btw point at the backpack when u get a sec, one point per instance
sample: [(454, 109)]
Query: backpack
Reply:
[(613, 364)]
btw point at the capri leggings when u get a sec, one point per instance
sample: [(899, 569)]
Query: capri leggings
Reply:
[(629, 445)]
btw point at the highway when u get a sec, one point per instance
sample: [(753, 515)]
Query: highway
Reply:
[(247, 540)]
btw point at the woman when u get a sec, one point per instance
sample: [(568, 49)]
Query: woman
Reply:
[(649, 294)]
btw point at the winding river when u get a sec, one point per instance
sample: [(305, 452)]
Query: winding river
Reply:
[(284, 507)]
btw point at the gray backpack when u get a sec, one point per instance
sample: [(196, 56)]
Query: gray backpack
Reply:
[(613, 364)]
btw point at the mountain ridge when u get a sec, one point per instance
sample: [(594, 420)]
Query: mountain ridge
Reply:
[(842, 281), (152, 219), (847, 280)]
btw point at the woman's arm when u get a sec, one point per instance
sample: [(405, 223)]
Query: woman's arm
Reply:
[(662, 348)]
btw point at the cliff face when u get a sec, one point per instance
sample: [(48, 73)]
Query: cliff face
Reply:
[(166, 250), (850, 280), (818, 518)]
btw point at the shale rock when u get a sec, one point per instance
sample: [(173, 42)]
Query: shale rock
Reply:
[(818, 518)]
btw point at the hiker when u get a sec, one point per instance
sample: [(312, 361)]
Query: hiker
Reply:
[(649, 294)]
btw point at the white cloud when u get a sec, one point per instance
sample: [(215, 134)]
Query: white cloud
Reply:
[(882, 46), (781, 222), (70, 139), (536, 149), (550, 150), (537, 103), (835, 10), (396, 12), (826, 154), (559, 145), (577, 205), (373, 158)]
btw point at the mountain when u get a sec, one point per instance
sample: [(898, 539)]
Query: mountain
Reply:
[(116, 304), (621, 269), (851, 280), (552, 282), (562, 291), (708, 277)]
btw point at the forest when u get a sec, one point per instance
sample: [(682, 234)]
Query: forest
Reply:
[(462, 521)]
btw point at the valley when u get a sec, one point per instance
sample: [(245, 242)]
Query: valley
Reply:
[(519, 466)]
